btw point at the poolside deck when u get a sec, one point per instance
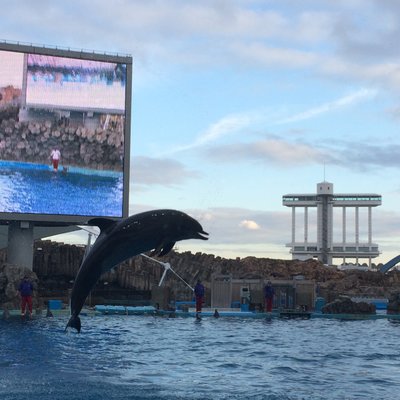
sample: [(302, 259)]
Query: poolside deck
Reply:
[(102, 310), (236, 313)]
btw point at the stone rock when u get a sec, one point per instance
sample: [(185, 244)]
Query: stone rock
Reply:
[(11, 291), (344, 305), (10, 278), (393, 306)]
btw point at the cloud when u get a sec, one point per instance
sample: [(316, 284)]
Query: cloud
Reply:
[(263, 55), (355, 156), (362, 42), (250, 225), (146, 171), (394, 112), (228, 125), (365, 156), (234, 225), (269, 151), (353, 98)]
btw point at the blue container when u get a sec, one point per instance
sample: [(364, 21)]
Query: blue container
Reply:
[(380, 305), (244, 307), (55, 304)]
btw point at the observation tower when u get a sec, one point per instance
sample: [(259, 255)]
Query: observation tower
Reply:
[(323, 246)]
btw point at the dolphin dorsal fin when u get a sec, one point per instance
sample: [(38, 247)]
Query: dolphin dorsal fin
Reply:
[(104, 224)]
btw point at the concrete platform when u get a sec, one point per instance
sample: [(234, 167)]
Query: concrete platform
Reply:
[(101, 310), (236, 313)]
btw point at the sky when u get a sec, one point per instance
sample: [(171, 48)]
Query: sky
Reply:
[(237, 103)]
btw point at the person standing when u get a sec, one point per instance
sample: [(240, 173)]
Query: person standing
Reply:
[(55, 156), (26, 290), (199, 295), (269, 293)]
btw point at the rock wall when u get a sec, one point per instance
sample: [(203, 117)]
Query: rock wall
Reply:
[(344, 305), (394, 303), (56, 266), (10, 278), (59, 260), (81, 147)]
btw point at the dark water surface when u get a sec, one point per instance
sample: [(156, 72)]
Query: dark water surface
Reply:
[(145, 357)]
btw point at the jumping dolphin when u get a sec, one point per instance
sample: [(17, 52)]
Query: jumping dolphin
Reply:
[(156, 230)]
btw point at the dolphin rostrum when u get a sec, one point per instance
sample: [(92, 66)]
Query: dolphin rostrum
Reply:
[(156, 230)]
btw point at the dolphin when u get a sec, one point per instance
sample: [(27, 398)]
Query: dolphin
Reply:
[(156, 230)]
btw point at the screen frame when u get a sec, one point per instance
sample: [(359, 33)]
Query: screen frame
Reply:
[(62, 219)]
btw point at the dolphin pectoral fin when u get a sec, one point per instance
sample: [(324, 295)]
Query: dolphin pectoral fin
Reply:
[(167, 247), (156, 251), (74, 322), (162, 249), (104, 224)]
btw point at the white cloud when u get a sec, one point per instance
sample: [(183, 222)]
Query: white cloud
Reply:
[(280, 151), (353, 98), (234, 225), (250, 225), (228, 125), (275, 151), (267, 56), (159, 171)]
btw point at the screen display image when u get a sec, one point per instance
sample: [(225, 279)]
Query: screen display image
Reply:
[(75, 84), (62, 135)]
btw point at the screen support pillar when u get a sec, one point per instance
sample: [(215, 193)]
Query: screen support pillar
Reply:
[(20, 244)]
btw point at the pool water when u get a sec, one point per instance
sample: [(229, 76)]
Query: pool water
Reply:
[(147, 357), (36, 188)]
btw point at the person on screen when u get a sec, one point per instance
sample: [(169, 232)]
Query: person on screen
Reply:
[(55, 158), (25, 290)]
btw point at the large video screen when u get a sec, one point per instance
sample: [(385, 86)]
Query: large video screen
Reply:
[(63, 144)]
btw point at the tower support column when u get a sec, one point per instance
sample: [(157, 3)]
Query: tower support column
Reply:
[(369, 226), (293, 225), (20, 244), (305, 226)]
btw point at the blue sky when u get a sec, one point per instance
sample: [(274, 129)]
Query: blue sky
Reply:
[(236, 103)]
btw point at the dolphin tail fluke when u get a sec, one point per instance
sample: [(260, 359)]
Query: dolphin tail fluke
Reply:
[(74, 322)]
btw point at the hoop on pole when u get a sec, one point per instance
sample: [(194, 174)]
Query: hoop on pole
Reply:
[(167, 266)]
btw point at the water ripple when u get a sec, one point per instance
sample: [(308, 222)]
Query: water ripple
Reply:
[(155, 358)]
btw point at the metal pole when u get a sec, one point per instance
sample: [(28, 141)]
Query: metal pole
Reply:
[(166, 266)]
